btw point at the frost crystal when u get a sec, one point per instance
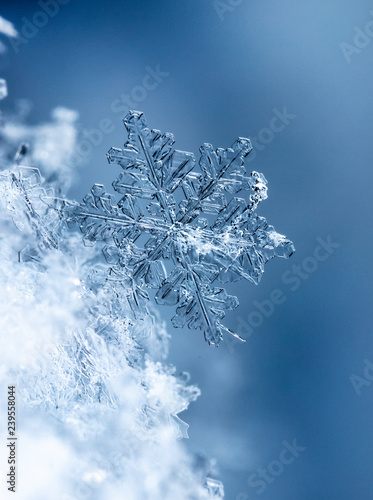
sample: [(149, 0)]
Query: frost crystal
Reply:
[(192, 224)]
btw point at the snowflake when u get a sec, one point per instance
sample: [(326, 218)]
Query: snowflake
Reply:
[(191, 224)]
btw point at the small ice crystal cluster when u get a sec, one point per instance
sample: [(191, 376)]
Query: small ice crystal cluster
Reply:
[(98, 407), (191, 222)]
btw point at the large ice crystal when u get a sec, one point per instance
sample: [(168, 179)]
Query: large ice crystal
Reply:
[(193, 223)]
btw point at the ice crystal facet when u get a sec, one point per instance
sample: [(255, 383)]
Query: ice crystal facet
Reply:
[(178, 231)]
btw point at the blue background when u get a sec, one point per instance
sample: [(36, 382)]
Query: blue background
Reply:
[(291, 379)]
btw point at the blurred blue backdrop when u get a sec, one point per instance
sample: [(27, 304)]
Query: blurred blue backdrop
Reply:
[(222, 69)]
